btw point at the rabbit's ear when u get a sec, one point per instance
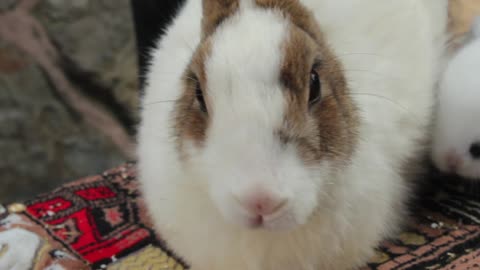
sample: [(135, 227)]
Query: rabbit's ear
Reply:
[(215, 12), (476, 27)]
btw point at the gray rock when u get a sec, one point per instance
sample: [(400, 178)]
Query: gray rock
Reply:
[(6, 4), (41, 143), (99, 37)]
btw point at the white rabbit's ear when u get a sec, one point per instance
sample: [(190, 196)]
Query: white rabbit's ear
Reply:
[(215, 12), (476, 27)]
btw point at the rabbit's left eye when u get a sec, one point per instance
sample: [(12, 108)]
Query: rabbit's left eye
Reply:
[(200, 98), (315, 87)]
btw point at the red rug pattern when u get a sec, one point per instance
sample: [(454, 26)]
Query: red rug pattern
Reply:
[(100, 222)]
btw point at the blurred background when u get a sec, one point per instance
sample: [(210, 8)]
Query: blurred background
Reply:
[(69, 86)]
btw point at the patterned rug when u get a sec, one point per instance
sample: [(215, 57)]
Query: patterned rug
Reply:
[(100, 223)]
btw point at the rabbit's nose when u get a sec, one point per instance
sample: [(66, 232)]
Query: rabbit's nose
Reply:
[(475, 150), (263, 204)]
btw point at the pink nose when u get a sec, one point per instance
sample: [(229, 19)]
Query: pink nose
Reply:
[(263, 204)]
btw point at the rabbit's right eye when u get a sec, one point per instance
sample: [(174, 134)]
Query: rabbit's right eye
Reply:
[(315, 87), (199, 96)]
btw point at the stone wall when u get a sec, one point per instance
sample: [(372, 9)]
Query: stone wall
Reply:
[(68, 91)]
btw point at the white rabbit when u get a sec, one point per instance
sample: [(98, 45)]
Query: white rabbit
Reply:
[(456, 139), (277, 134)]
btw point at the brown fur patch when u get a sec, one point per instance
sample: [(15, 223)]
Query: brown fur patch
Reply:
[(326, 129), (190, 122), (461, 16), (215, 12), (297, 14)]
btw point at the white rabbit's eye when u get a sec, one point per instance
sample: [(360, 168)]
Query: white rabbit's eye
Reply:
[(199, 96), (315, 88), (475, 150)]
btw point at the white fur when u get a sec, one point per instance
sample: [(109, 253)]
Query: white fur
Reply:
[(390, 51), (248, 104), (457, 126)]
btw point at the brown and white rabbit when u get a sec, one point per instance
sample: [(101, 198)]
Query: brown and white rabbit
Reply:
[(276, 133)]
